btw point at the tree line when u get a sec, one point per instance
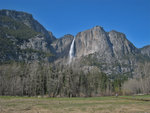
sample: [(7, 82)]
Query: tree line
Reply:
[(33, 79)]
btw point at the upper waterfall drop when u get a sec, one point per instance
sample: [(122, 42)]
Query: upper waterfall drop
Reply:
[(71, 51)]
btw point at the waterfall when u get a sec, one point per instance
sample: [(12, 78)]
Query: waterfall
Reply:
[(71, 51)]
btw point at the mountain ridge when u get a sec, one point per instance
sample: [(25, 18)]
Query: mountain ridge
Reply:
[(106, 47), (34, 62), (30, 40)]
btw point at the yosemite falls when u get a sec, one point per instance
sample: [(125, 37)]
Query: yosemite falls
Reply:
[(71, 51)]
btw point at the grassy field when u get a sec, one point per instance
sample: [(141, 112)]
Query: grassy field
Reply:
[(122, 104)]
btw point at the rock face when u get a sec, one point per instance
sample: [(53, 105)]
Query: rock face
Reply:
[(145, 50), (25, 39), (28, 20), (120, 45), (52, 37), (22, 38), (91, 41), (62, 45), (38, 47), (106, 44), (109, 51)]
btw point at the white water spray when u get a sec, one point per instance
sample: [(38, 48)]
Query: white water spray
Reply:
[(71, 51)]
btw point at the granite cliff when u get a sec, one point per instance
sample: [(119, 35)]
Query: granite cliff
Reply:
[(22, 38), (145, 50), (111, 52)]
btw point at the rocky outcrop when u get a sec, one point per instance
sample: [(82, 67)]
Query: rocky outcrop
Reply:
[(145, 50), (24, 36), (120, 45), (62, 45), (106, 44), (28, 20), (109, 51), (91, 41), (52, 37)]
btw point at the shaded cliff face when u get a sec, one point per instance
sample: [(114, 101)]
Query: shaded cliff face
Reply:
[(120, 45), (62, 45), (145, 50), (28, 20), (22, 38)]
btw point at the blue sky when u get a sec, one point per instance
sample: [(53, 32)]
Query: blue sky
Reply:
[(131, 17)]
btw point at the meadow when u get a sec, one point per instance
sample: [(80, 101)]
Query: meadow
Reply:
[(110, 104)]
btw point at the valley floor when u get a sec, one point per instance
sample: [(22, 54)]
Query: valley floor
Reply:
[(122, 104)]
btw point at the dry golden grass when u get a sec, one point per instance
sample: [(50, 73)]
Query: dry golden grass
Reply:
[(72, 105)]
